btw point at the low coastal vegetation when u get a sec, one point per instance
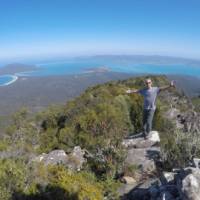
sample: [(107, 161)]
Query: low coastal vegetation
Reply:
[(97, 121)]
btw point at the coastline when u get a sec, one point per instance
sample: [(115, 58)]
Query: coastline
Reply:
[(14, 78)]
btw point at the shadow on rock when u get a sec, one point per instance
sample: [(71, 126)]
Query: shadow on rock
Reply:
[(138, 193), (153, 154)]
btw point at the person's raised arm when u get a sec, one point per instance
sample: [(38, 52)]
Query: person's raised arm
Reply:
[(167, 87), (132, 91)]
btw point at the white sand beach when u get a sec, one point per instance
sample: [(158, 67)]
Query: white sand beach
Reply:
[(14, 78)]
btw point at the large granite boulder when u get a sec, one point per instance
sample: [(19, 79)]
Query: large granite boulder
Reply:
[(143, 153), (191, 185), (142, 158), (73, 161), (137, 141)]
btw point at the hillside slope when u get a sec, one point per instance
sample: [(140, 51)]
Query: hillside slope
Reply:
[(97, 121)]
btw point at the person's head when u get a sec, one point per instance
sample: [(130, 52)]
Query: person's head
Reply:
[(148, 83)]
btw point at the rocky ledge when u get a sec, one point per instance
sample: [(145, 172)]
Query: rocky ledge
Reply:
[(153, 183), (73, 161)]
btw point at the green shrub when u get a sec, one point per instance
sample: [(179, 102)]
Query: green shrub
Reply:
[(131, 170), (12, 177), (4, 144), (110, 188), (196, 103), (61, 184), (178, 148)]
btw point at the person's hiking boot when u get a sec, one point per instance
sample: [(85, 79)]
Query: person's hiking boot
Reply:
[(146, 136)]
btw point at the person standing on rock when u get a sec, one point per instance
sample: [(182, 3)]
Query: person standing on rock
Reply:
[(149, 93)]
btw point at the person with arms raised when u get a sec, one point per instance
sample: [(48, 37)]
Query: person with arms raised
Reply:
[(150, 94)]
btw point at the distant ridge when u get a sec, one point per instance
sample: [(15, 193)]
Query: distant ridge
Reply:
[(150, 59)]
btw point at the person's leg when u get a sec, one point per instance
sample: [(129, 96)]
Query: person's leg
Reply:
[(149, 121), (145, 117)]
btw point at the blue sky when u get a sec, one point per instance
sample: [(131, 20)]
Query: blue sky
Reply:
[(42, 28)]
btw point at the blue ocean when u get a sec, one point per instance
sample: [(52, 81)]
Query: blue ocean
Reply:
[(82, 66), (79, 66)]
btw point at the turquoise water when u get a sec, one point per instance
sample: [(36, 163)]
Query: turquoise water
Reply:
[(77, 67), (161, 69), (60, 68), (7, 79)]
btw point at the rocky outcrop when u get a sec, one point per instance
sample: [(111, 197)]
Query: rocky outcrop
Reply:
[(185, 181), (73, 161), (137, 141), (175, 115), (190, 188), (192, 122), (142, 152), (188, 121), (180, 184)]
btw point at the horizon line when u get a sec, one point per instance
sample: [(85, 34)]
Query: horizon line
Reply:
[(19, 60)]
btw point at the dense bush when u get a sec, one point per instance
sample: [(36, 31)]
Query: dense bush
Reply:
[(62, 184), (47, 182), (13, 175), (178, 148), (101, 116)]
